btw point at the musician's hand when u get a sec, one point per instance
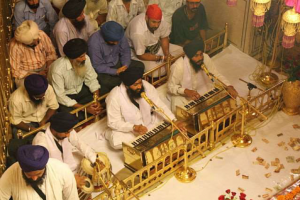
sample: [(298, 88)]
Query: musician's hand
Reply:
[(232, 91), (140, 129), (80, 180), (192, 94), (181, 125)]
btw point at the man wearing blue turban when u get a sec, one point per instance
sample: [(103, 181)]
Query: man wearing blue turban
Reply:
[(110, 54), (33, 104), (36, 176)]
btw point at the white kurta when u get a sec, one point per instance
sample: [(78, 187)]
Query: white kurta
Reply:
[(139, 38), (183, 76), (47, 140), (59, 183), (122, 114)]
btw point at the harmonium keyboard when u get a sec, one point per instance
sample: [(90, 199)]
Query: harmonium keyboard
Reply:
[(151, 146), (198, 114)]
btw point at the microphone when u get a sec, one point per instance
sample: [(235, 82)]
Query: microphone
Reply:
[(207, 72), (144, 96)]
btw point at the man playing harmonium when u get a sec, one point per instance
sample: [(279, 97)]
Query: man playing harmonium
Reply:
[(188, 81), (59, 139), (129, 115)]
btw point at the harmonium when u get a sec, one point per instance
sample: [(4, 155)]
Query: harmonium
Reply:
[(199, 114), (151, 146)]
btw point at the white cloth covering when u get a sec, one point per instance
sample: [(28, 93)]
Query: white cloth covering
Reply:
[(183, 76), (47, 140), (122, 114), (59, 183)]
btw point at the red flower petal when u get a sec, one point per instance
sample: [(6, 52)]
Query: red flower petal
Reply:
[(243, 195), (222, 197), (233, 193), (227, 191)]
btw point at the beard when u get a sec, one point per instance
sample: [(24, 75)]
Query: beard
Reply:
[(36, 102), (80, 68), (37, 182), (33, 6), (79, 25), (135, 94), (151, 29), (196, 65)]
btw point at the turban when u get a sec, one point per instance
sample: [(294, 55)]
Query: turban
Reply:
[(35, 84), (32, 157), (193, 47), (75, 48), (154, 12), (131, 75), (112, 31), (73, 8), (27, 32), (62, 122)]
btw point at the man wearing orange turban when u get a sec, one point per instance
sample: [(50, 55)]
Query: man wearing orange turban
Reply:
[(148, 36)]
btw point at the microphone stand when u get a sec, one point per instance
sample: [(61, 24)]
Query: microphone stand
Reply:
[(184, 174), (250, 87), (241, 140)]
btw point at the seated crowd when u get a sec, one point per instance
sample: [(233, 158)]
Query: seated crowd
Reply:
[(61, 61)]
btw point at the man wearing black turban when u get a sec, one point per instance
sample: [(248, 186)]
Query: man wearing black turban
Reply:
[(35, 170), (110, 54), (33, 104), (129, 115), (73, 25), (59, 139), (188, 81), (74, 79)]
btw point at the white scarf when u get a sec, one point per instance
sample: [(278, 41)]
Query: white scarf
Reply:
[(203, 83), (66, 156), (128, 108)]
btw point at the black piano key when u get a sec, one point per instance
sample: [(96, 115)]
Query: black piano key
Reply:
[(206, 95), (211, 92), (192, 103), (216, 89), (202, 98)]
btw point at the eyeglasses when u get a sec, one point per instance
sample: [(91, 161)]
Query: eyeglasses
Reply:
[(193, 3)]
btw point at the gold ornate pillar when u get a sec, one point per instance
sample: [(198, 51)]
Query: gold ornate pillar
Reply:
[(6, 85)]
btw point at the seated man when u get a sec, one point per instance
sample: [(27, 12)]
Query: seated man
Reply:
[(122, 11), (36, 176), (59, 139), (32, 105), (168, 8), (74, 25), (148, 37), (188, 81), (39, 11), (110, 55), (73, 78), (30, 51), (188, 22), (129, 115)]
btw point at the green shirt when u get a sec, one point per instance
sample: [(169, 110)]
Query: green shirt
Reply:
[(185, 29)]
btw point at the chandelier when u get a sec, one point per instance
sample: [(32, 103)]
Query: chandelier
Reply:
[(290, 25), (259, 7)]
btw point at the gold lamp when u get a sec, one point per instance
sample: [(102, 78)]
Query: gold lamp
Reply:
[(259, 8), (290, 25)]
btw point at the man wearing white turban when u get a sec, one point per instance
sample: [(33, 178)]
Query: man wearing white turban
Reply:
[(31, 51)]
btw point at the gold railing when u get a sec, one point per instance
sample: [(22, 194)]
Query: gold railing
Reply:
[(203, 141)]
